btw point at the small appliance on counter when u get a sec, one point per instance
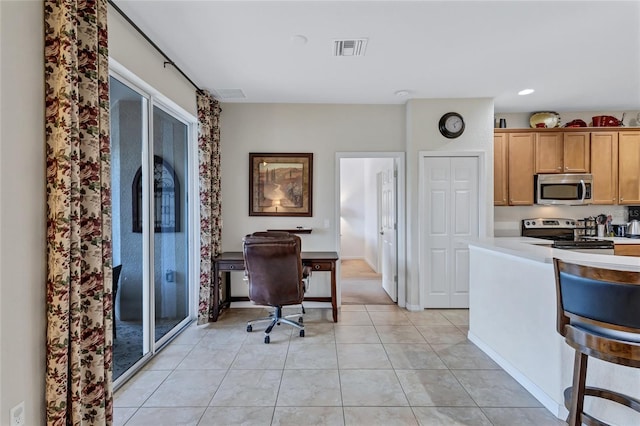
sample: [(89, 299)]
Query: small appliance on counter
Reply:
[(633, 229), (630, 229), (562, 232)]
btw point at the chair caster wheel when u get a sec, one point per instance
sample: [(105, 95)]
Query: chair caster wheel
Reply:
[(300, 320), (301, 333), (249, 329), (267, 339)]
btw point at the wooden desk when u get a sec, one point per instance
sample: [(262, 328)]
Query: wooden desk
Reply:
[(321, 261)]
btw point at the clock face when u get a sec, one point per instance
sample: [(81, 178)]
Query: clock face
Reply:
[(451, 125)]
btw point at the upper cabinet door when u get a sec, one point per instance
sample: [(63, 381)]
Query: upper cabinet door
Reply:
[(629, 168), (520, 168), (604, 167), (500, 168), (576, 152), (548, 152)]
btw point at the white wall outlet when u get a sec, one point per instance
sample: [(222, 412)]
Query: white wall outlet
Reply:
[(326, 223), (18, 415)]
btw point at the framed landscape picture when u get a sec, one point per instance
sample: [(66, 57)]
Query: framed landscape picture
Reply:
[(280, 184)]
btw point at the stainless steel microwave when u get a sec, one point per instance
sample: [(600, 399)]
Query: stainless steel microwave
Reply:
[(565, 189)]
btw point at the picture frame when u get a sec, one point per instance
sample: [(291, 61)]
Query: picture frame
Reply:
[(281, 184)]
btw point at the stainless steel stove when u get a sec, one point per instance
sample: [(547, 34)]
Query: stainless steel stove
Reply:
[(562, 232)]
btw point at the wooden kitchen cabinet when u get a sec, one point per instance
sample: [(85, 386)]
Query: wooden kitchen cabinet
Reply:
[(500, 169), (548, 149), (520, 168), (561, 152), (626, 249), (629, 167), (577, 152), (604, 167)]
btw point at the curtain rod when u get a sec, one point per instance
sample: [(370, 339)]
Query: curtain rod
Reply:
[(168, 60)]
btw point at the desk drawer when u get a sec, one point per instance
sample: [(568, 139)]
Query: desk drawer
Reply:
[(230, 266), (320, 266)]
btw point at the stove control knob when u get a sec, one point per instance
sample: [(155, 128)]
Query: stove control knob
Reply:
[(533, 223)]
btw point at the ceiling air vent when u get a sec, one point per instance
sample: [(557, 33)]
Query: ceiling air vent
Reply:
[(354, 47), (230, 93)]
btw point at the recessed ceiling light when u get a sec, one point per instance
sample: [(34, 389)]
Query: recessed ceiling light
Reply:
[(402, 93), (298, 40), (526, 92)]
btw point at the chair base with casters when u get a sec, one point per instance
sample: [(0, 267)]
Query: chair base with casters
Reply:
[(597, 319), (276, 318)]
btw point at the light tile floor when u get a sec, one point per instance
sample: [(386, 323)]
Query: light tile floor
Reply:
[(379, 365)]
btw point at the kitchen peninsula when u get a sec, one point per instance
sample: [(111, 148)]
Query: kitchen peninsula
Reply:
[(512, 318)]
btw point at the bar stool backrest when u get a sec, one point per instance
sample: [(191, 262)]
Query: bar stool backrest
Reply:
[(600, 301)]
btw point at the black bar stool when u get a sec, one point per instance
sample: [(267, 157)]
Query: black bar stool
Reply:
[(599, 316)]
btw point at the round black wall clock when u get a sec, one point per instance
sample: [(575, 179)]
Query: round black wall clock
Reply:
[(451, 125)]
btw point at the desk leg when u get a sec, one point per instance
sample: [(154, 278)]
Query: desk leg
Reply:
[(226, 303), (334, 299), (216, 292)]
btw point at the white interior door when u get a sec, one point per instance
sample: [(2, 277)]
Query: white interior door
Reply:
[(449, 216), (388, 231)]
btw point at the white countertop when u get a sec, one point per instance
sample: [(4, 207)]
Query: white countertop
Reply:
[(539, 250)]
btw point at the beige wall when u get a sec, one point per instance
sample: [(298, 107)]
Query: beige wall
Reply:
[(423, 135), (317, 128), (22, 211), (327, 129), (22, 189), (320, 129), (133, 52)]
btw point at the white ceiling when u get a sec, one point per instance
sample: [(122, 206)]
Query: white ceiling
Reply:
[(577, 55)]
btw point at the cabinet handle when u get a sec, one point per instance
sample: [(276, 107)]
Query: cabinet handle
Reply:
[(232, 267), (316, 266)]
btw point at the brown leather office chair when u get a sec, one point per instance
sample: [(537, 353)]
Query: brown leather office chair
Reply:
[(598, 316), (276, 277)]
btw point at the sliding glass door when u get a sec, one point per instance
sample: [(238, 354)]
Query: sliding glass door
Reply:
[(151, 254), (170, 242)]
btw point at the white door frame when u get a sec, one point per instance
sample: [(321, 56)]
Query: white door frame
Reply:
[(482, 202), (399, 162)]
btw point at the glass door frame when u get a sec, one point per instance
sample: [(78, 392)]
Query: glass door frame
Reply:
[(156, 99)]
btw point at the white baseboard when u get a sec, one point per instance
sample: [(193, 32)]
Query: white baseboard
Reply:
[(556, 409), (413, 308)]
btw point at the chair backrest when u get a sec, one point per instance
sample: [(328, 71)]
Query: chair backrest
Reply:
[(274, 268), (599, 301), (116, 275)]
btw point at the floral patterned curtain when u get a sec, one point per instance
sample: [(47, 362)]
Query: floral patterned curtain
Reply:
[(210, 209), (79, 305)]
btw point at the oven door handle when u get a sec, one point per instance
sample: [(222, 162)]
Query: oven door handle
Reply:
[(584, 190)]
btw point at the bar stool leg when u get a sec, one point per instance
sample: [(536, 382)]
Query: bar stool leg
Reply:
[(577, 391)]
